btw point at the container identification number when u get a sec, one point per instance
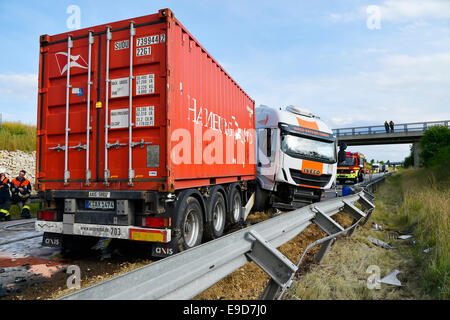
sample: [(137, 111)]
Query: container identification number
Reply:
[(143, 51), (145, 41)]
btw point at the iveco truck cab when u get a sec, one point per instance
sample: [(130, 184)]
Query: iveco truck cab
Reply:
[(296, 157)]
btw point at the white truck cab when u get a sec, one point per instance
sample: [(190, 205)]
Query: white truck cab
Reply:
[(296, 157)]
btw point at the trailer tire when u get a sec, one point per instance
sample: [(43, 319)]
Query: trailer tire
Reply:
[(234, 214), (217, 211), (190, 225)]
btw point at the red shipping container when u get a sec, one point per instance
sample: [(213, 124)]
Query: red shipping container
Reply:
[(192, 124)]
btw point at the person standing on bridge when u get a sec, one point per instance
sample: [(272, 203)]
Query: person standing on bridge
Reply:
[(391, 124), (5, 197), (386, 126), (21, 190)]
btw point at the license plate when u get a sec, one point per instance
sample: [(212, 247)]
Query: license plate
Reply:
[(100, 204)]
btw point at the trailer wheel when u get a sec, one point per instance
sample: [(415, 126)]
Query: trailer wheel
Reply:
[(214, 228), (191, 225), (234, 215)]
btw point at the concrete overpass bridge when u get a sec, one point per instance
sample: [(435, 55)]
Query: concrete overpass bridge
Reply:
[(376, 135)]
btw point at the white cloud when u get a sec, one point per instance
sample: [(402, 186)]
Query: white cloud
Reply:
[(403, 88), (19, 86), (401, 11), (19, 97)]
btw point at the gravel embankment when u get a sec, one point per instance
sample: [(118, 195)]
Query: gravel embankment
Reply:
[(14, 161)]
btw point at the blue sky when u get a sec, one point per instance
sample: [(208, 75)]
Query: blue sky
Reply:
[(319, 55)]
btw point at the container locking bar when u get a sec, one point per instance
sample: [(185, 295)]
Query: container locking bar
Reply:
[(88, 116), (79, 147), (273, 262), (58, 148), (142, 144), (67, 129), (107, 81), (115, 145), (130, 109)]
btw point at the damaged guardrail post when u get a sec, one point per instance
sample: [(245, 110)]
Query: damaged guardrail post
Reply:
[(367, 205), (355, 213), (328, 225), (273, 262)]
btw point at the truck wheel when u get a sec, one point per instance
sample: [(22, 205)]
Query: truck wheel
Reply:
[(234, 215), (191, 225), (214, 228)]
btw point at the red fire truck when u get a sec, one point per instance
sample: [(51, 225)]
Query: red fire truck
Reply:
[(353, 168)]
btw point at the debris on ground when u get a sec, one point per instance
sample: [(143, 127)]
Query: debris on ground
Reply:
[(376, 226), (391, 278), (404, 237), (410, 229), (428, 250), (379, 243)]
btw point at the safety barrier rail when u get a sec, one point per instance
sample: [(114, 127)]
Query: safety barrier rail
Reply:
[(187, 274), (403, 127)]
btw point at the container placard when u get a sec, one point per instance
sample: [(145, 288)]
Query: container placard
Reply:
[(145, 116), (119, 118), (120, 87), (145, 84)]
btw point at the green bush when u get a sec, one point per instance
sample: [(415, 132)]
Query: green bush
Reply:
[(435, 147)]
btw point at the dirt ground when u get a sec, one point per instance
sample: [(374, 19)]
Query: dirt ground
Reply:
[(248, 282)]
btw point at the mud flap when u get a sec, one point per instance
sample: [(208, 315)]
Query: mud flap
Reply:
[(52, 240), (163, 250), (248, 207)]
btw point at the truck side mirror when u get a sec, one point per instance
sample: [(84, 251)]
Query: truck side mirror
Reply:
[(342, 154)]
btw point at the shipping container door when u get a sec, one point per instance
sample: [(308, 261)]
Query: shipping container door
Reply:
[(68, 125), (134, 108)]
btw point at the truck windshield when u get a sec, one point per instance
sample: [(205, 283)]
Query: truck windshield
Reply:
[(349, 161), (299, 147)]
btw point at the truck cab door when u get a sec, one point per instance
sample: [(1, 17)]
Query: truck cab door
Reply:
[(267, 157)]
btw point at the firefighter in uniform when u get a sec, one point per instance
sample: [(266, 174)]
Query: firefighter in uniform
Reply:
[(5, 197), (21, 190)]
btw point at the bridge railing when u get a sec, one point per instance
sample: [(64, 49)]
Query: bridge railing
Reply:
[(403, 127)]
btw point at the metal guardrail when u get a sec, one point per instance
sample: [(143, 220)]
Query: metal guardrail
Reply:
[(403, 127), (372, 186), (187, 274)]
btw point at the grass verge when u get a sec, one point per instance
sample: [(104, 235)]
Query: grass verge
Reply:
[(17, 136), (413, 196)]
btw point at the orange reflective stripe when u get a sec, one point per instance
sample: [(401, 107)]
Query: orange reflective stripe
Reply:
[(15, 182), (18, 184), (5, 180), (308, 124)]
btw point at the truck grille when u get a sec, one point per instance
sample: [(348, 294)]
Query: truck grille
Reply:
[(308, 179)]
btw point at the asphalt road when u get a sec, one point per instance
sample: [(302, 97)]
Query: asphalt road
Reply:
[(333, 193)]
